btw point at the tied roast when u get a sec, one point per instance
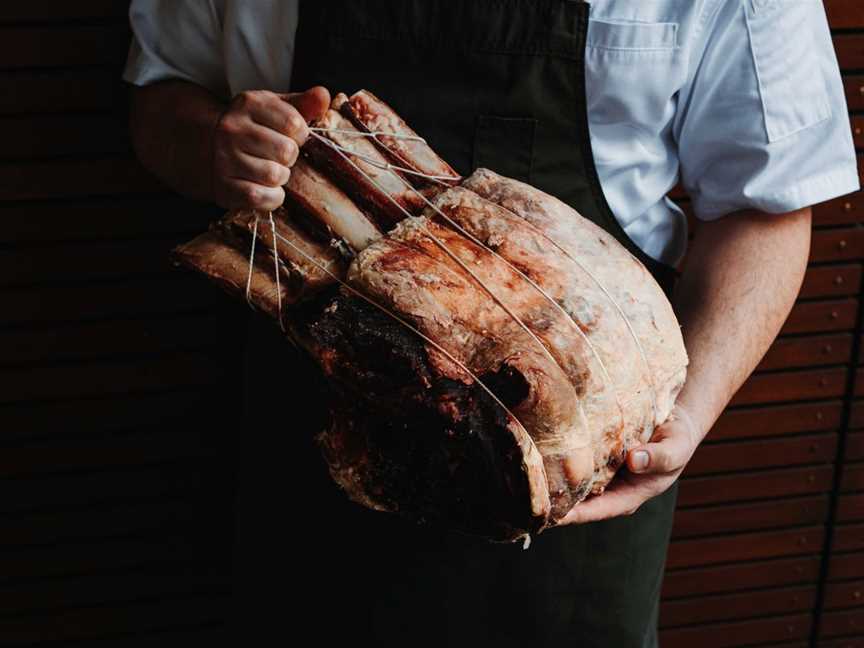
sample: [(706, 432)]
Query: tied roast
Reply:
[(490, 355)]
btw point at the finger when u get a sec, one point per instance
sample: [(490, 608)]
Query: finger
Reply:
[(242, 194), (271, 110), (612, 503), (312, 104), (263, 172), (267, 144), (662, 457)]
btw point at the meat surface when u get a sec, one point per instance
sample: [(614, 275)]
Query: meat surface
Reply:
[(492, 357)]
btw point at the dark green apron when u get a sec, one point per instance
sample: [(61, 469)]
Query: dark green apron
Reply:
[(494, 83)]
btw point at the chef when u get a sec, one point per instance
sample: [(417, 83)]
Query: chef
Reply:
[(605, 106)]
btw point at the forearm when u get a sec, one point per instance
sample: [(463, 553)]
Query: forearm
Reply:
[(742, 277), (172, 124)]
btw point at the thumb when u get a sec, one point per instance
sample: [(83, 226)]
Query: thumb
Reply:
[(311, 104), (661, 457)]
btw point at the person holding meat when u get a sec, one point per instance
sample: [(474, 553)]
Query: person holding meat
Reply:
[(605, 106)]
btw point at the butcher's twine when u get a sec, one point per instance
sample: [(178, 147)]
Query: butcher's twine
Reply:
[(345, 152)]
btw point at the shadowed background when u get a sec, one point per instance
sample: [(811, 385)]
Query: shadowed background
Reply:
[(119, 401)]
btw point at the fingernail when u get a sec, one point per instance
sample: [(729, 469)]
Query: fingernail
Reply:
[(640, 460)]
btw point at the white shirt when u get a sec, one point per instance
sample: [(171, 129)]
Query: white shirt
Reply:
[(741, 100)]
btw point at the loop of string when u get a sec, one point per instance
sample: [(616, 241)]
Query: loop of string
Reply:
[(275, 270), (372, 134), (386, 166), (251, 265)]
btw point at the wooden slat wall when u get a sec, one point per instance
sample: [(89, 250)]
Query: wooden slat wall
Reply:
[(119, 393), (768, 542), (118, 390)]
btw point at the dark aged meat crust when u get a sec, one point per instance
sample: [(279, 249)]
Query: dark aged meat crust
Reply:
[(407, 439)]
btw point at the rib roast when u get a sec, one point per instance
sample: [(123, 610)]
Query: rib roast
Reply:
[(491, 355)]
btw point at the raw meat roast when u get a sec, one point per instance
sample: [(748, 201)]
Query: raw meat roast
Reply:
[(491, 354)]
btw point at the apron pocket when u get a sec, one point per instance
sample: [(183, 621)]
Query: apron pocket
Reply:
[(505, 145)]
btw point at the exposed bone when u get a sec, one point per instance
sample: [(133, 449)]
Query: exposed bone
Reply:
[(228, 267), (385, 204), (318, 196), (304, 277), (369, 113)]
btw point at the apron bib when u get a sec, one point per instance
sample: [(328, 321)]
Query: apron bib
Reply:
[(488, 83)]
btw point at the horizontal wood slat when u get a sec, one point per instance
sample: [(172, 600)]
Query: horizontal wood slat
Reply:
[(854, 86), (852, 478), (106, 339), (763, 484), (729, 607), (794, 385), (843, 566), (91, 623), (816, 317), (61, 91), (844, 210), (745, 546), (60, 135), (854, 450), (63, 46), (831, 281), (742, 633), (857, 125), (750, 517), (749, 455), (848, 537), (139, 518), (182, 293), (791, 353), (777, 420), (111, 219), (838, 624), (845, 14), (159, 373), (741, 576), (101, 589), (837, 244), (66, 179), (850, 508), (51, 458), (62, 10), (86, 262), (105, 486), (850, 51), (94, 415), (844, 595), (31, 563)]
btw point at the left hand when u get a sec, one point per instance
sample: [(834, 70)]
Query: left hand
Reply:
[(651, 469)]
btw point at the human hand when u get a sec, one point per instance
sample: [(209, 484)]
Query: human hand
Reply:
[(255, 143), (651, 469)]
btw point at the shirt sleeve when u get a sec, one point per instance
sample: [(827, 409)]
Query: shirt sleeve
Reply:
[(762, 123), (174, 39)]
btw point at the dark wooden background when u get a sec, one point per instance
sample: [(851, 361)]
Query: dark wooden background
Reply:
[(118, 399)]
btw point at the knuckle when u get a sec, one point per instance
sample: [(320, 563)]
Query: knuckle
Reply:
[(294, 123), (273, 175), (288, 152), (250, 195)]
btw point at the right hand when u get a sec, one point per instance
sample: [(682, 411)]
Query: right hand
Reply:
[(257, 141)]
